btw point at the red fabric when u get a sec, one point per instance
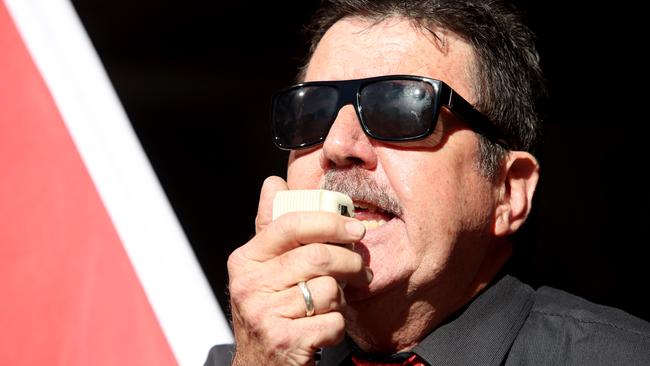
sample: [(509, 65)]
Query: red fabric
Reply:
[(68, 293), (414, 360)]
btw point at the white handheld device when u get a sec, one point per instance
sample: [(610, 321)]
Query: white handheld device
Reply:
[(312, 200)]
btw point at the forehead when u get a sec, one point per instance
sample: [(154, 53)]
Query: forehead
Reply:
[(357, 48)]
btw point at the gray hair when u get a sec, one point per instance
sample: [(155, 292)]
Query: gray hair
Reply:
[(507, 78)]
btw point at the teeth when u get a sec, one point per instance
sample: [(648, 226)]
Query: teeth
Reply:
[(367, 207), (373, 224)]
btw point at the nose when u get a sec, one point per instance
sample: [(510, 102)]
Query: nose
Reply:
[(346, 144)]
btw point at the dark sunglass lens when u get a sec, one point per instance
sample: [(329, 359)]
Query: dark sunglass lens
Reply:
[(302, 116), (398, 109)]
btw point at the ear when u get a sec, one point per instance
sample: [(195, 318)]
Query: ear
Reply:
[(515, 189)]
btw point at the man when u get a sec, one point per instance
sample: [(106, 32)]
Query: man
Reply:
[(390, 116)]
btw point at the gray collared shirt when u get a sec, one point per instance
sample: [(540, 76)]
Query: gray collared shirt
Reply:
[(512, 324)]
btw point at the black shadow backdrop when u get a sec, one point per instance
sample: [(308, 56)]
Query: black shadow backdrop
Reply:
[(195, 78)]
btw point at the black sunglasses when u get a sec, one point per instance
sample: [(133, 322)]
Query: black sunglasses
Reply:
[(390, 108)]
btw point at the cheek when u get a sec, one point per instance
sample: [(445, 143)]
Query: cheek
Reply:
[(303, 170), (423, 183), (442, 198)]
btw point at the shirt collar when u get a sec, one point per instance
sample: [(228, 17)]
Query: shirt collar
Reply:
[(481, 332)]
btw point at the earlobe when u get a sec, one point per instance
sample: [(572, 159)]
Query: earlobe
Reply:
[(516, 190)]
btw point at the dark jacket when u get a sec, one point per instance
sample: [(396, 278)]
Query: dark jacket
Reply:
[(511, 324)]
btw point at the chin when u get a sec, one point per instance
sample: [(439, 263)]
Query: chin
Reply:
[(390, 271)]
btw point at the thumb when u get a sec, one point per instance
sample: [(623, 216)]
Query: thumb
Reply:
[(270, 186)]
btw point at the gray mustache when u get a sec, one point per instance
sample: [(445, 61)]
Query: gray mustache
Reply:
[(360, 186)]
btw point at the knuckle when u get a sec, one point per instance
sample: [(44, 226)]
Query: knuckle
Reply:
[(244, 285), (237, 290), (333, 294), (317, 255), (234, 261), (336, 327), (287, 224), (357, 261), (330, 224), (237, 286), (258, 221), (337, 322), (330, 286)]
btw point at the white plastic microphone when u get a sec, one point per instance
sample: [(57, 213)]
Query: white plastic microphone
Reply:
[(312, 200)]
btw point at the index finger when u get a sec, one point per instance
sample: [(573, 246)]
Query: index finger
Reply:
[(294, 229), (270, 187)]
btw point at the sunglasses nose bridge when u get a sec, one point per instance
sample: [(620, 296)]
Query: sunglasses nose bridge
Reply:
[(348, 94), (346, 141)]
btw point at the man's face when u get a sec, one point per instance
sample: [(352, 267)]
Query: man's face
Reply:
[(438, 207)]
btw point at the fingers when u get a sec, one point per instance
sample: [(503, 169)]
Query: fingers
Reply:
[(290, 343), (271, 328), (301, 264), (270, 186), (325, 330), (294, 229), (268, 308), (315, 260), (326, 294)]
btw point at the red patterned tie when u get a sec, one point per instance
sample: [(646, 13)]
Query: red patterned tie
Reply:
[(413, 360)]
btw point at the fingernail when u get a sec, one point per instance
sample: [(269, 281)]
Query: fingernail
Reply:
[(355, 228), (369, 274)]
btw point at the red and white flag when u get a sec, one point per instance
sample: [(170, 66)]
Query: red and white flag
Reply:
[(94, 267)]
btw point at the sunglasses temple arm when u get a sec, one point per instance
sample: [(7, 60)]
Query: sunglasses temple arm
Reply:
[(479, 122)]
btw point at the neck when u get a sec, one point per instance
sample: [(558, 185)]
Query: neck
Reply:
[(393, 322), (399, 329)]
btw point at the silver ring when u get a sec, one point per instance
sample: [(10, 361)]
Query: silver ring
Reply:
[(306, 294)]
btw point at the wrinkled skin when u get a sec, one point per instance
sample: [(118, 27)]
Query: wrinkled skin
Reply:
[(429, 258)]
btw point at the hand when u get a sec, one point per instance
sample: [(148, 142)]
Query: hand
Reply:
[(268, 308)]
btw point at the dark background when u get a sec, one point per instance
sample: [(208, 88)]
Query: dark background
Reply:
[(195, 78)]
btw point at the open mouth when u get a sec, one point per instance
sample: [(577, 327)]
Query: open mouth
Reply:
[(370, 215)]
